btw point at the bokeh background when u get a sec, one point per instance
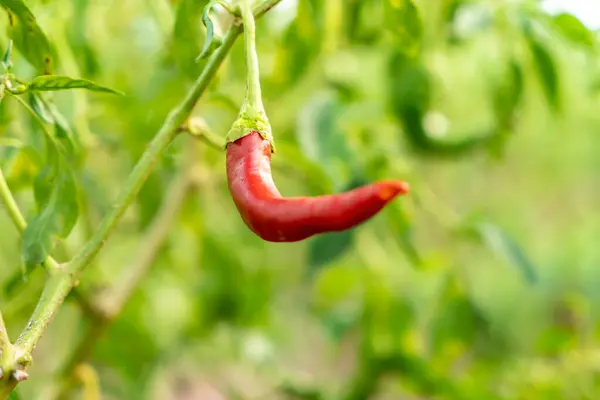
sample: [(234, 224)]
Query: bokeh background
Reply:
[(482, 283)]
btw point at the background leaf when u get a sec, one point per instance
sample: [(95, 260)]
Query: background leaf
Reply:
[(28, 36), (545, 67), (402, 18), (501, 243), (58, 214), (56, 82), (573, 30)]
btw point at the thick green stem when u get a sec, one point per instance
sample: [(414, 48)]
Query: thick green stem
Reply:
[(253, 92), (60, 284)]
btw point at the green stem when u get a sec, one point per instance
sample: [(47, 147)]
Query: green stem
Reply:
[(253, 117), (253, 92), (11, 205), (59, 285), (5, 345)]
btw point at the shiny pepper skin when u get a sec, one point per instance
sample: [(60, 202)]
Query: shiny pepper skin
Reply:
[(275, 218)]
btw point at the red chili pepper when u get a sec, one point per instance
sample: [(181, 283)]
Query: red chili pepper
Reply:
[(279, 219), (266, 212)]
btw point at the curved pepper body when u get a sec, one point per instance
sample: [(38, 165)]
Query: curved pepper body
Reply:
[(275, 218)]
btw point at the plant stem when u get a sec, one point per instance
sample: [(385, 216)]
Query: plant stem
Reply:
[(60, 284), (4, 339), (151, 244), (253, 92), (11, 205)]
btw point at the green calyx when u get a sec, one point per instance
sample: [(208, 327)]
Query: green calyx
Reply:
[(250, 120)]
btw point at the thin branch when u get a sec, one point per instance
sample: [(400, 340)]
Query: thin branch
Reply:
[(11, 205), (151, 244), (198, 128), (5, 345)]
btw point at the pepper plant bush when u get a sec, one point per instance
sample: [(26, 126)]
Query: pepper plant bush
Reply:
[(127, 271)]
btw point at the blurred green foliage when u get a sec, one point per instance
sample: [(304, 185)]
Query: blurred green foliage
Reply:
[(480, 284)]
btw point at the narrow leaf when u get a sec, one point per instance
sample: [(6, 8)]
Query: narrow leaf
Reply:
[(327, 247), (57, 218), (508, 93), (320, 137), (28, 36), (77, 35), (45, 181), (546, 72), (7, 59), (212, 41), (501, 243), (573, 30), (544, 64), (57, 82), (37, 241)]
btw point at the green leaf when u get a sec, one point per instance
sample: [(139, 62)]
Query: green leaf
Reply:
[(327, 247), (572, 29), (62, 129), (501, 243), (77, 36), (546, 72), (509, 92), (409, 92), (293, 160), (544, 65), (58, 82), (403, 19), (62, 139), (187, 38), (457, 317), (212, 41), (402, 228), (28, 36), (57, 217), (299, 46), (39, 108), (45, 181), (7, 59), (320, 137), (11, 142)]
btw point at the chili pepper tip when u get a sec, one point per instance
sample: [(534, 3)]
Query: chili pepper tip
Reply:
[(391, 189)]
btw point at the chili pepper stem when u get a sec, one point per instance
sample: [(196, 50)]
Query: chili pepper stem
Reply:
[(252, 117)]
